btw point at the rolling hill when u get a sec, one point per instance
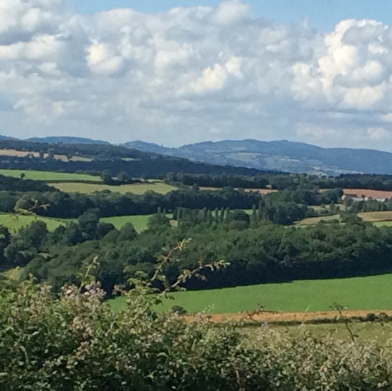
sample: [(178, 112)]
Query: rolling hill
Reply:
[(66, 140), (279, 155)]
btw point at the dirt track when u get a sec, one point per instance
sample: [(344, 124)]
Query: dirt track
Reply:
[(271, 317)]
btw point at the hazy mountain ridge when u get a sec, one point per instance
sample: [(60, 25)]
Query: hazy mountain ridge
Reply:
[(261, 155), (280, 155), (65, 140)]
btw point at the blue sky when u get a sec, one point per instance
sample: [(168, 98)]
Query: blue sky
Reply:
[(322, 14)]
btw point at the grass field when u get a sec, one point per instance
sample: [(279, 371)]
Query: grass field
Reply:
[(139, 222), (88, 188), (16, 153), (366, 293), (383, 224), (14, 222), (315, 220), (374, 217), (50, 176)]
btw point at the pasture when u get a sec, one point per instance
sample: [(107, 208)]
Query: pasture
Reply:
[(137, 188), (364, 293), (139, 222), (374, 217), (49, 176), (383, 224), (17, 153), (15, 222), (315, 220)]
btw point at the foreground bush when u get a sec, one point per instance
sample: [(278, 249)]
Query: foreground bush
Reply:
[(76, 342)]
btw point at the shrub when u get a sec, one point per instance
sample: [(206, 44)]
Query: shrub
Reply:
[(76, 342)]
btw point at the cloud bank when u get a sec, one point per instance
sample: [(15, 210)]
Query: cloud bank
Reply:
[(192, 74)]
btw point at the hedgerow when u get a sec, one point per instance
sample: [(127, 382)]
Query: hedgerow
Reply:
[(75, 341)]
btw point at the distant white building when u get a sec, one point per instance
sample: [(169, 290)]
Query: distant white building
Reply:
[(355, 198)]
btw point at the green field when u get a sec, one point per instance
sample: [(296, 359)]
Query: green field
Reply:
[(88, 188), (14, 222), (139, 222), (383, 224), (365, 293), (50, 176), (315, 220)]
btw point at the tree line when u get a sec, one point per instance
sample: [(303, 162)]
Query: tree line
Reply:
[(281, 181), (257, 250)]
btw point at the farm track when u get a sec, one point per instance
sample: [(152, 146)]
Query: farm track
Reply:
[(276, 317)]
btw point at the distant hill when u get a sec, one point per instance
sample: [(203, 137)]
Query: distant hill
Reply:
[(66, 140), (103, 156), (279, 155)]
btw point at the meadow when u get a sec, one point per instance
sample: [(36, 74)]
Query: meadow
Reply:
[(364, 293), (15, 222), (137, 188), (64, 158), (377, 218), (49, 176), (315, 220), (139, 222)]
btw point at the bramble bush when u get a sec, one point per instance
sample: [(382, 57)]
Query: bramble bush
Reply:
[(75, 341)]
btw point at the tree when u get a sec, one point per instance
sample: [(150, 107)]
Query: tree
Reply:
[(106, 177), (50, 154), (158, 221), (123, 177)]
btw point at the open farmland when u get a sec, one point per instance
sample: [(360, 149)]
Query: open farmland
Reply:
[(139, 222), (367, 193), (364, 293), (137, 188), (315, 220), (262, 191), (17, 153), (379, 218), (49, 176), (373, 217), (383, 224), (14, 222)]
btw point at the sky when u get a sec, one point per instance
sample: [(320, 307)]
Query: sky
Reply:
[(182, 71)]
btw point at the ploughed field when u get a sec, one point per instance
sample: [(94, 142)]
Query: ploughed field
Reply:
[(375, 194), (369, 294)]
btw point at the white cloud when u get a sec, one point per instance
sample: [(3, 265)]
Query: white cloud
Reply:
[(378, 134), (192, 74)]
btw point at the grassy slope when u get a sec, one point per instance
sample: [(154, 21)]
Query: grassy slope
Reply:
[(135, 189), (367, 293), (49, 175)]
